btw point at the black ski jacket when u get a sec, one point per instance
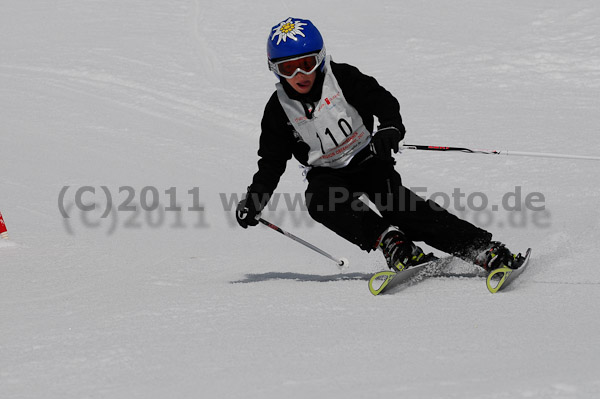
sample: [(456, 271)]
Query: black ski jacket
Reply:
[(279, 141)]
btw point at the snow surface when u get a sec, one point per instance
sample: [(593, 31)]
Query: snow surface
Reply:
[(169, 93)]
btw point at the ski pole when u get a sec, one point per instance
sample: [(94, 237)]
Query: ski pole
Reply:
[(497, 152), (342, 263)]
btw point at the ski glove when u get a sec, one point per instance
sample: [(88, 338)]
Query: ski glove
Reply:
[(384, 141), (248, 209)]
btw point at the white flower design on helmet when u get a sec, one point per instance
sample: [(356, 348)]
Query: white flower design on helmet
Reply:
[(288, 28)]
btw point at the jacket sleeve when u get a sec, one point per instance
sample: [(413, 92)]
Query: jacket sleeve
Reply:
[(275, 148), (368, 97)]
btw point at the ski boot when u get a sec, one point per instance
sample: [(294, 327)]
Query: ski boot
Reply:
[(496, 255), (401, 253)]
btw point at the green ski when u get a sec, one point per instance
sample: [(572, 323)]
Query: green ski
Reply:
[(387, 279), (497, 280), (501, 278)]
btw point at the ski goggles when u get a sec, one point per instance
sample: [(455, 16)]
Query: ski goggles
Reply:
[(290, 67)]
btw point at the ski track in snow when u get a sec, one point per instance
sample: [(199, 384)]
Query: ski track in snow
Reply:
[(133, 95), (170, 95)]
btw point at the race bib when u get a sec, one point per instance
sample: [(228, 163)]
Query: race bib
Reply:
[(335, 132)]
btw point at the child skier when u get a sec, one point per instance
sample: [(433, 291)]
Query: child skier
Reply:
[(322, 113)]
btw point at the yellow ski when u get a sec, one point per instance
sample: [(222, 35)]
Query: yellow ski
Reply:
[(502, 277), (387, 279)]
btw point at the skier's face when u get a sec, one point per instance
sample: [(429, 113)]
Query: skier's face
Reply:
[(302, 83)]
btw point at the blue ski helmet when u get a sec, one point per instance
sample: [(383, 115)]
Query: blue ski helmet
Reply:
[(294, 37)]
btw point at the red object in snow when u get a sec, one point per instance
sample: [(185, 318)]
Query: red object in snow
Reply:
[(3, 232)]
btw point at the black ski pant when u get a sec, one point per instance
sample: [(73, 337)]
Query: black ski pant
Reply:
[(332, 199)]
